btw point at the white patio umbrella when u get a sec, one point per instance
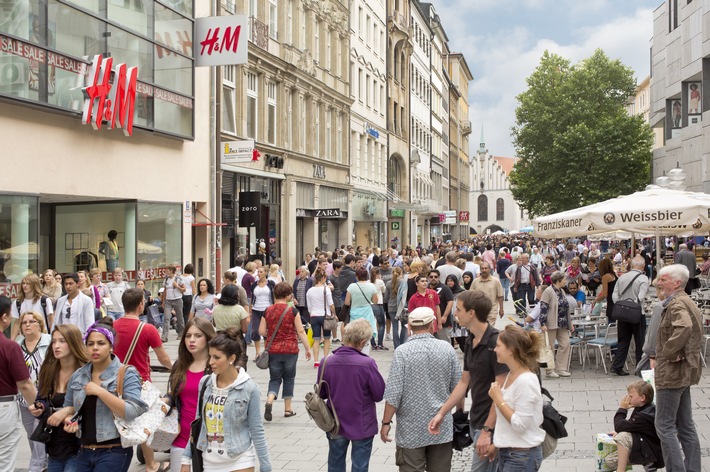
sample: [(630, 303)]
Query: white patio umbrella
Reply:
[(654, 211)]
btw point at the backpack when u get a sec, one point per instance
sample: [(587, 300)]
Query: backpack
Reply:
[(43, 302)]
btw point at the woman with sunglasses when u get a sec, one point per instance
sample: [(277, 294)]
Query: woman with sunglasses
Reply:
[(92, 397), (34, 342), (65, 357)]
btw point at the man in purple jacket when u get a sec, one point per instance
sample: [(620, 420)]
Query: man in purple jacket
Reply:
[(355, 385)]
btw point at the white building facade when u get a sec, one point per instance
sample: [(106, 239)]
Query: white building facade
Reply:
[(680, 75), (420, 126), (368, 122)]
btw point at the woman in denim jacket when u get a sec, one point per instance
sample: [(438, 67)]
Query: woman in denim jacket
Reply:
[(232, 433), (92, 400)]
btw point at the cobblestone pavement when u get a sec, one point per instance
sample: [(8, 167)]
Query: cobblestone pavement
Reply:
[(589, 399)]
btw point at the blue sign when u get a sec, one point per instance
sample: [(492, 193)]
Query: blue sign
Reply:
[(373, 132)]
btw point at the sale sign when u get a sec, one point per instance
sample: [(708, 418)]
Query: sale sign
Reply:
[(220, 40)]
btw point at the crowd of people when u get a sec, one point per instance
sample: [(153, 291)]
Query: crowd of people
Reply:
[(65, 340)]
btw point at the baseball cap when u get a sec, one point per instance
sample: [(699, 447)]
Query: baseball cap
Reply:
[(421, 316)]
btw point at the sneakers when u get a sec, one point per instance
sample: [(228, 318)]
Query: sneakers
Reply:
[(383, 348), (551, 374), (564, 373), (335, 341), (316, 365), (388, 337)]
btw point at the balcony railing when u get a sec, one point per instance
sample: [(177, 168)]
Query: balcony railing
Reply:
[(259, 33), (229, 6)]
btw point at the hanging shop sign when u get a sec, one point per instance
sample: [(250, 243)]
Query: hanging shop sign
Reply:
[(109, 101), (236, 152), (449, 217), (220, 40), (249, 206), (463, 216)]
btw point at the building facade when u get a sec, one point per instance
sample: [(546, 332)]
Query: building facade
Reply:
[(459, 162), (680, 74), (69, 185), (420, 127), (368, 122), (492, 203), (297, 112)]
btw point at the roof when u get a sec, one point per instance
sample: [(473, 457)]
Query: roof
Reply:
[(506, 163)]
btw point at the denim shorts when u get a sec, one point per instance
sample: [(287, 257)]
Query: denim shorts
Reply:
[(317, 326)]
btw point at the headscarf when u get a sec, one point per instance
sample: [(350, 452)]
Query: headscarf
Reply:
[(99, 327), (467, 286), (456, 288)]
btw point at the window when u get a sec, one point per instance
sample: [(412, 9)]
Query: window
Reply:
[(302, 38), (273, 20), (289, 22), (252, 98), (328, 39), (271, 106), (482, 208), (289, 118), (360, 16), (316, 40), (672, 14), (368, 101), (500, 209), (228, 94), (328, 133), (360, 85), (316, 131), (339, 143), (368, 31), (302, 129)]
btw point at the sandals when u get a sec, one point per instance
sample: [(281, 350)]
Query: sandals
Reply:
[(162, 466), (267, 411), (289, 414)]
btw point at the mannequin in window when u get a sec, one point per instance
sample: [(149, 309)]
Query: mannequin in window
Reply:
[(109, 249)]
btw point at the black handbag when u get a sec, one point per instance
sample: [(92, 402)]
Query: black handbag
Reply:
[(195, 428), (553, 422), (627, 311), (43, 431), (462, 431)]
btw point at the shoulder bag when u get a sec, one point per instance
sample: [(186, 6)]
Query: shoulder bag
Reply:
[(547, 354), (324, 415), (136, 432), (627, 311), (553, 422), (262, 360), (195, 428), (330, 322)]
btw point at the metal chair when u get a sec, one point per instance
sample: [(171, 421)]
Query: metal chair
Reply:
[(604, 344)]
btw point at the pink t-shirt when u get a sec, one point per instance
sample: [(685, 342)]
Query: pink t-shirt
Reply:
[(188, 406)]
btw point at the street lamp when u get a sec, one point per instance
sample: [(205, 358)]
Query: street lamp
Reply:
[(675, 180)]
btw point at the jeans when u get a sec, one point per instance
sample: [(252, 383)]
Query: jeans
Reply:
[(168, 308), (399, 331), (478, 464), (520, 460), (505, 282), (111, 264), (380, 319), (38, 459), (519, 297), (115, 314), (359, 456), (10, 434), (282, 367), (66, 465), (254, 322), (116, 459), (676, 429), (318, 329), (626, 331)]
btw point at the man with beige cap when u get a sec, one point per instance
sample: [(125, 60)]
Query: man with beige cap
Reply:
[(424, 372)]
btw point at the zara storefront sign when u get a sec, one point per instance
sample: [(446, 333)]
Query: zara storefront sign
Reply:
[(220, 40), (106, 99)]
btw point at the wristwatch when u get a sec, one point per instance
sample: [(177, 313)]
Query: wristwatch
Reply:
[(487, 429), (386, 423)]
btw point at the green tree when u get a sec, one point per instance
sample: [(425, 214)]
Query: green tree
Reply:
[(575, 141)]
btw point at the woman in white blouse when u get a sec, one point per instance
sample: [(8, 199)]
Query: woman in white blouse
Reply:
[(518, 435)]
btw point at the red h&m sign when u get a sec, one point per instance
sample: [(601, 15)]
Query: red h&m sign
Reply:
[(107, 98), (463, 216), (220, 40)]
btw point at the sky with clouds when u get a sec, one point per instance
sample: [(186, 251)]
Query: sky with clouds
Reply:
[(503, 41)]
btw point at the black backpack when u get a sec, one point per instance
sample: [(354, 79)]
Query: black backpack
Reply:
[(43, 302)]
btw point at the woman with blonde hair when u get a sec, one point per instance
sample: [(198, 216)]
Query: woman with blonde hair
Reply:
[(275, 274), (518, 401), (50, 287), (31, 299), (67, 354), (34, 342)]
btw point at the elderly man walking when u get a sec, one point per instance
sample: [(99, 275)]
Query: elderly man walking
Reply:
[(493, 289), (677, 367), (424, 372), (686, 257), (633, 286)]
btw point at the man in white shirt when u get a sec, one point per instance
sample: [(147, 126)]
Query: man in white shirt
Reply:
[(74, 308), (238, 269), (450, 267)]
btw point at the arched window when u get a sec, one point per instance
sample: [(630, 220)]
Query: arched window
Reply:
[(482, 208), (500, 209), (394, 176)]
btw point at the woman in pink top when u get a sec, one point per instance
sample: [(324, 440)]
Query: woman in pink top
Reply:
[(184, 382)]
